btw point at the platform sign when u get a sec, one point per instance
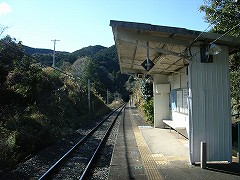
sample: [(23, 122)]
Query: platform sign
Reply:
[(147, 64)]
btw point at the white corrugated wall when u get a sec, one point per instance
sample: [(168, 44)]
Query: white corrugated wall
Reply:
[(210, 108)]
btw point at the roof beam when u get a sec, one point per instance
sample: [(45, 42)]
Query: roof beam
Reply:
[(161, 50), (134, 53), (135, 71), (133, 36), (127, 70), (125, 63), (163, 70), (154, 69), (173, 65)]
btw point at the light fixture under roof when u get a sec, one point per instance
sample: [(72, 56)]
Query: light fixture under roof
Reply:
[(214, 49)]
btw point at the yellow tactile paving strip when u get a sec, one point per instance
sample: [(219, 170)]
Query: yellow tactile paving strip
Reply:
[(160, 159), (148, 161)]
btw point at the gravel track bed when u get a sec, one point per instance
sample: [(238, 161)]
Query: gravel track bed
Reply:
[(37, 165), (72, 168), (102, 163)]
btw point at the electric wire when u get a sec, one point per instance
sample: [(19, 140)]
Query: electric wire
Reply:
[(211, 24), (202, 33), (217, 38), (196, 39), (225, 33)]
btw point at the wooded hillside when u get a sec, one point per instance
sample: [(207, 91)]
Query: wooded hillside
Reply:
[(39, 104)]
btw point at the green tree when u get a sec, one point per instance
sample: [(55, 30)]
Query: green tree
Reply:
[(86, 69), (90, 72), (235, 91), (130, 84), (147, 89), (10, 56), (224, 16)]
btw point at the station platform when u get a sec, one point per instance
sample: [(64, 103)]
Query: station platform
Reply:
[(144, 152)]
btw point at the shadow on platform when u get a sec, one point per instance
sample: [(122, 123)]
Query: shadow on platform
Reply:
[(232, 168)]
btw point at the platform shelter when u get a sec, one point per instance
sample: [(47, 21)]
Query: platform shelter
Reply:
[(190, 74)]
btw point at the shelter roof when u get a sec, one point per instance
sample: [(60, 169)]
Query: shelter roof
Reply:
[(167, 47)]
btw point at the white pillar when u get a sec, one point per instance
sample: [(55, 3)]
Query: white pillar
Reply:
[(161, 100)]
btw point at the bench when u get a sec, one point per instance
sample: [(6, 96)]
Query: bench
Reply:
[(173, 125)]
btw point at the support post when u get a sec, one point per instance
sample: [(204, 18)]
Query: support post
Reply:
[(238, 142), (54, 63), (107, 96), (89, 98), (93, 109), (203, 156)]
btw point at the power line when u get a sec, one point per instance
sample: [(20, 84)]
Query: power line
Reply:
[(225, 33), (216, 38), (202, 32), (211, 24)]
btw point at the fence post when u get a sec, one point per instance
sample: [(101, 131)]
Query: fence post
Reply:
[(107, 97), (238, 156), (203, 157), (89, 98)]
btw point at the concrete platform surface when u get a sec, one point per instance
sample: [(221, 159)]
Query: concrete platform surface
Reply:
[(144, 152)]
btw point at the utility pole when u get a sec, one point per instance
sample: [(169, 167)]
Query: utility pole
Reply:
[(54, 42), (107, 96), (238, 154), (89, 96)]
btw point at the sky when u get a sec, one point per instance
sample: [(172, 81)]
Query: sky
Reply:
[(81, 23)]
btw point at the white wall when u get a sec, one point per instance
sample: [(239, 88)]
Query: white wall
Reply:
[(208, 113), (161, 101), (180, 116)]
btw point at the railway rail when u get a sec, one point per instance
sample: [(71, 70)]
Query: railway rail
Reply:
[(76, 162)]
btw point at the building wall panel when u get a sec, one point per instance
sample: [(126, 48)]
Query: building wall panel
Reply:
[(210, 108)]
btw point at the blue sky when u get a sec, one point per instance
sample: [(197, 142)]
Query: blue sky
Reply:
[(81, 23)]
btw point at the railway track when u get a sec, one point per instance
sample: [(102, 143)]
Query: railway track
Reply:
[(76, 162)]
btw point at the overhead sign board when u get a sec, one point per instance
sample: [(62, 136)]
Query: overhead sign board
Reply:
[(147, 64)]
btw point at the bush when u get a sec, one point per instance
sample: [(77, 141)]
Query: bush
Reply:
[(147, 107), (7, 146)]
